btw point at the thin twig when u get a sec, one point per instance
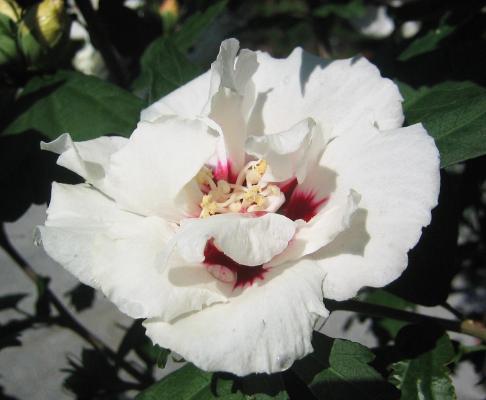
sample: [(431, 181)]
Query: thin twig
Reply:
[(468, 327), (452, 310), (65, 315)]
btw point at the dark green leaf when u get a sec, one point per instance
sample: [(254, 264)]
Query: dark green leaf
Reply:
[(43, 303), (427, 42), (339, 369), (426, 376), (136, 340), (281, 8), (164, 69), (8, 45), (152, 353), (346, 10), (162, 355), (190, 383), (196, 24), (82, 105), (454, 113)]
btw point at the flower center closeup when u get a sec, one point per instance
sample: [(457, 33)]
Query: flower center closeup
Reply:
[(247, 194)]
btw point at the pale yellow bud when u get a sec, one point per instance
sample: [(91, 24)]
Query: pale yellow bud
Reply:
[(169, 11), (169, 7), (11, 9), (51, 20)]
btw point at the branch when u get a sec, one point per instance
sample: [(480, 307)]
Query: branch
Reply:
[(65, 315), (468, 327)]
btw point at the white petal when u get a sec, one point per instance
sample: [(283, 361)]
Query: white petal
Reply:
[(265, 328), (89, 159), (117, 252), (152, 174), (397, 174), (248, 240), (322, 229), (230, 71), (336, 94), (288, 153), (193, 99), (187, 101), (232, 96)]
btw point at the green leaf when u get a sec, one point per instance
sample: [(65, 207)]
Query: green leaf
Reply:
[(84, 106), (282, 7), (339, 369), (161, 356), (426, 376), (8, 44), (187, 383), (346, 10), (427, 42), (454, 113), (196, 24), (164, 65), (190, 383), (164, 69)]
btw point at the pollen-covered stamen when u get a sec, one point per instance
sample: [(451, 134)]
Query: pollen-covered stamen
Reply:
[(247, 194)]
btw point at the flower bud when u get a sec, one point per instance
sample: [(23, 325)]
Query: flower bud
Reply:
[(42, 30), (169, 11), (10, 9)]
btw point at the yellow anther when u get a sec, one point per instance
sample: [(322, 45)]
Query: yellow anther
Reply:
[(206, 200), (208, 206), (261, 167), (260, 201), (252, 194), (223, 197)]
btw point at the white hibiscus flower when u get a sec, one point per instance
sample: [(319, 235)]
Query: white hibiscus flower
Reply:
[(242, 199)]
